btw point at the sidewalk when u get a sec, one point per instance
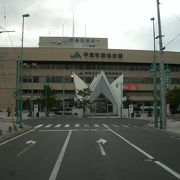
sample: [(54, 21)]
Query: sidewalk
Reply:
[(7, 129), (173, 126)]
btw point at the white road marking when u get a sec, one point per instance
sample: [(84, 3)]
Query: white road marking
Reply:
[(5, 142), (100, 142), (96, 125), (60, 158), (125, 126), (38, 126), (77, 125), (49, 125), (31, 142), (58, 125), (67, 125), (171, 171), (131, 144), (64, 130), (115, 125)]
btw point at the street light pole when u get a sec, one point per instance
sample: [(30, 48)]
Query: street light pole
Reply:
[(21, 74), (162, 82), (154, 79)]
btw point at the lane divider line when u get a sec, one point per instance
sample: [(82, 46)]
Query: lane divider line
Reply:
[(16, 137), (171, 171), (5, 142), (60, 158)]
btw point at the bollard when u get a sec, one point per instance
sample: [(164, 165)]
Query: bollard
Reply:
[(10, 129)]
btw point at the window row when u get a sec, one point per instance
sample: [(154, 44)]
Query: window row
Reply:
[(47, 79), (94, 66), (89, 79), (82, 40), (38, 91)]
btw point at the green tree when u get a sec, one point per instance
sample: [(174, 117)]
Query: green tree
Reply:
[(83, 101), (173, 98), (48, 96)]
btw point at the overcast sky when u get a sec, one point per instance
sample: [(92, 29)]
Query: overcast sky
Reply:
[(126, 23)]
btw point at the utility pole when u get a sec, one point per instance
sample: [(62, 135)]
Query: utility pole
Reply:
[(162, 80)]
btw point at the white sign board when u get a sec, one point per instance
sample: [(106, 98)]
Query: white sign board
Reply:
[(35, 108), (131, 107)]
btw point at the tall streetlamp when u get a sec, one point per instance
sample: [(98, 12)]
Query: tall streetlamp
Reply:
[(20, 73), (154, 70), (162, 82)]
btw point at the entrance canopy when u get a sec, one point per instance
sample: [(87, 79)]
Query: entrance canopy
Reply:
[(100, 85)]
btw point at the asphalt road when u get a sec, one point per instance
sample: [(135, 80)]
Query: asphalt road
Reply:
[(91, 149)]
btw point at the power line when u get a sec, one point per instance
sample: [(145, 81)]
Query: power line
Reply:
[(171, 40)]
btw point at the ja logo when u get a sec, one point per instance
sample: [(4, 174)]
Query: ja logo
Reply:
[(76, 55)]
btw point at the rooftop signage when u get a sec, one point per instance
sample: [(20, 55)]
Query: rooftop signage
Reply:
[(97, 55)]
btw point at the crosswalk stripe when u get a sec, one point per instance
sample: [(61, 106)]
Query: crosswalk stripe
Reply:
[(77, 125), (125, 126), (58, 125), (38, 126), (49, 125), (115, 125), (67, 125), (96, 125)]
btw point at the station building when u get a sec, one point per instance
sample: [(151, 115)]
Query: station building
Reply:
[(57, 58)]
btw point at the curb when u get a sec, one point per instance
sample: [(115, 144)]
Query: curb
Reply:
[(14, 133), (151, 126)]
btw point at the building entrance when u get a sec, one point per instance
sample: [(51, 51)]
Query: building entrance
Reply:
[(102, 105)]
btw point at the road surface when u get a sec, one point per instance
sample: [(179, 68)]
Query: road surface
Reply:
[(91, 149)]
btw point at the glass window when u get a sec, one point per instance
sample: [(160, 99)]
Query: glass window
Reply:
[(109, 55), (81, 66), (103, 55), (88, 79), (48, 79), (76, 66), (114, 55), (97, 55), (59, 66), (36, 79), (86, 54), (92, 40), (91, 55), (120, 56)]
